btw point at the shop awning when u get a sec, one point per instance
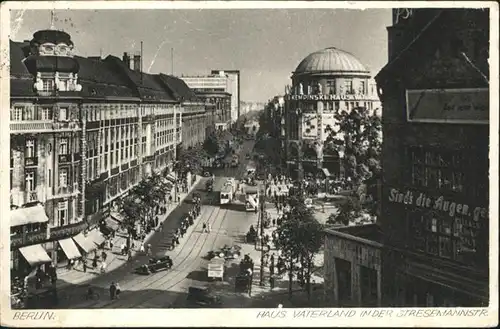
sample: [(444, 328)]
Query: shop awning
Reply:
[(70, 249), (35, 254), (84, 242), (96, 236), (30, 215)]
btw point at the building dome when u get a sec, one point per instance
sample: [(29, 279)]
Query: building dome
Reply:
[(331, 60)]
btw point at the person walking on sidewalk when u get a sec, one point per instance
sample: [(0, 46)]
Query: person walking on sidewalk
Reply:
[(204, 227), (84, 265), (112, 291), (129, 257), (141, 249), (118, 290)]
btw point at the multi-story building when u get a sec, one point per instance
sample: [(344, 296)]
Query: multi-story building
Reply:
[(194, 115), (325, 82), (234, 88), (435, 96), (212, 89), (83, 132)]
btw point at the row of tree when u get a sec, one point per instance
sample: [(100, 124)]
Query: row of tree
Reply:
[(142, 202)]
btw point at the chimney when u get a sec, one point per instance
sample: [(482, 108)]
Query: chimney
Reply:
[(126, 60), (137, 63)]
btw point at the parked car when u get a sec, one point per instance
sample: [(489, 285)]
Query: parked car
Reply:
[(154, 265), (226, 252), (203, 297)]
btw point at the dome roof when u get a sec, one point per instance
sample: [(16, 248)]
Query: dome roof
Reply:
[(331, 60)]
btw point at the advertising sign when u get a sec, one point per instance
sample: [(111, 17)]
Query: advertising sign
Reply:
[(465, 106)]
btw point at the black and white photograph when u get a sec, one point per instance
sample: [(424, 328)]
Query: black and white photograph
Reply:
[(300, 163)]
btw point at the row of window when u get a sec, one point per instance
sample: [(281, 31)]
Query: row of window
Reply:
[(30, 113), (30, 177)]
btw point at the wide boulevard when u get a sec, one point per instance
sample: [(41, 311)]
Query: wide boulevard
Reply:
[(169, 288)]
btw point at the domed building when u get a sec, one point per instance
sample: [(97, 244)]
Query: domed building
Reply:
[(325, 82)]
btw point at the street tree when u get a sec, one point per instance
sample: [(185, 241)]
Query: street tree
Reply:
[(211, 144), (190, 159), (347, 211), (300, 237), (358, 136), (131, 212)]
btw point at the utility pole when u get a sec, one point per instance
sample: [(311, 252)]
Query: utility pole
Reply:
[(262, 217)]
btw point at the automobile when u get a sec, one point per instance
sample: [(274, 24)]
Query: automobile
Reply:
[(203, 297), (226, 252), (154, 265)]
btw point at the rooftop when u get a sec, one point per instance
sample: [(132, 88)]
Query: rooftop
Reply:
[(331, 60)]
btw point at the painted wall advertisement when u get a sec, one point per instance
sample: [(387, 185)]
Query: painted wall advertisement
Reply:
[(470, 106), (472, 217)]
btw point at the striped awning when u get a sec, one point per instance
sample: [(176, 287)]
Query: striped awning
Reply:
[(96, 236), (30, 215), (70, 249), (35, 254)]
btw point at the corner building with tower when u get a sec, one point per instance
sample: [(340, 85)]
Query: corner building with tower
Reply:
[(324, 83), (83, 132)]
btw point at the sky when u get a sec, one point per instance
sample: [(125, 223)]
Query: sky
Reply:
[(266, 45)]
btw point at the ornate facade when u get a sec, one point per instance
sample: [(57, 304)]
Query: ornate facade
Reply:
[(84, 131), (325, 82)]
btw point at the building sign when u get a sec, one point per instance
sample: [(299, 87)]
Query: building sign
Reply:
[(470, 219), (448, 105), (321, 97)]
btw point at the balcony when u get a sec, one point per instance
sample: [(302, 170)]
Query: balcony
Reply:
[(31, 162), (64, 158), (38, 126)]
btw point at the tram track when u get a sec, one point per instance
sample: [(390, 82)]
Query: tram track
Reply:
[(181, 272), (127, 287)]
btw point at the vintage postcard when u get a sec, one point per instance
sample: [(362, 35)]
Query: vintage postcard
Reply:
[(240, 163)]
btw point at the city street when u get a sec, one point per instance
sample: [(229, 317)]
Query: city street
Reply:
[(168, 288)]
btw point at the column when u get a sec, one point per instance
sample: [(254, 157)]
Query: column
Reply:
[(83, 160)]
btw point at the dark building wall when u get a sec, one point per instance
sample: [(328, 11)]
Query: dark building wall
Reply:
[(436, 61)]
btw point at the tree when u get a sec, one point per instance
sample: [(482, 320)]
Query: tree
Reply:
[(131, 211), (347, 212), (359, 137), (211, 144), (300, 237), (190, 159)]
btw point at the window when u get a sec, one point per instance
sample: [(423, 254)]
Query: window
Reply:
[(29, 113), (348, 86), (63, 146), (16, 113), (369, 294), (436, 169), (48, 85), (62, 213), (362, 87), (63, 114), (63, 177), (30, 148), (46, 113), (330, 85), (30, 181)]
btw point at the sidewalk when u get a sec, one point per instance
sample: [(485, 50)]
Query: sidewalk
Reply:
[(66, 277)]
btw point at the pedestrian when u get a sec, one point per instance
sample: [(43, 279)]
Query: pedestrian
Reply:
[(112, 291), (110, 244), (141, 249), (103, 267), (178, 199), (104, 256), (118, 290), (150, 251), (173, 244), (208, 227), (177, 239), (94, 263), (271, 281), (129, 255), (204, 227)]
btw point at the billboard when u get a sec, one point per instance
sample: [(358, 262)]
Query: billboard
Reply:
[(469, 106)]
